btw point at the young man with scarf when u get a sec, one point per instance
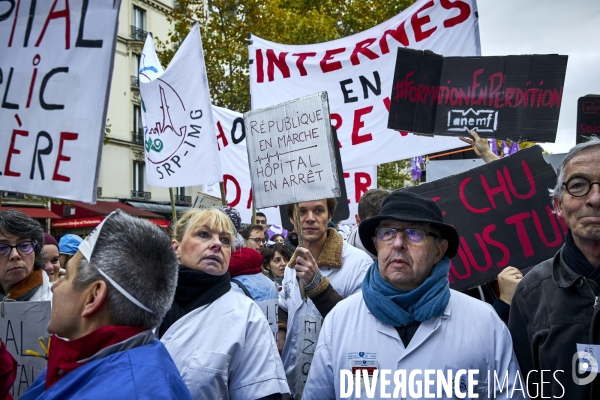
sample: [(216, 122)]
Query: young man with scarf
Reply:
[(555, 309), (407, 317), (329, 270), (116, 290)]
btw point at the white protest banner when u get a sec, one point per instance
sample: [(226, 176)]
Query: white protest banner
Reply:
[(179, 137), (150, 67), (21, 326), (290, 152), (55, 73), (357, 72), (236, 176)]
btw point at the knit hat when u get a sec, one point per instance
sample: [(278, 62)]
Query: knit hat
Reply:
[(245, 261), (69, 244), (234, 215), (405, 206), (49, 239)]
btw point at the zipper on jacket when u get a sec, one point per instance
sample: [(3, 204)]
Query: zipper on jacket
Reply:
[(596, 298)]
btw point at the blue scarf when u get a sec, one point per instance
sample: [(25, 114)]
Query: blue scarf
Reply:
[(397, 307)]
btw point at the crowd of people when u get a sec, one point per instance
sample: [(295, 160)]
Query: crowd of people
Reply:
[(222, 310)]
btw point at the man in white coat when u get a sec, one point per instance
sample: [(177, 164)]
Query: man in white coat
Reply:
[(408, 334), (330, 270)]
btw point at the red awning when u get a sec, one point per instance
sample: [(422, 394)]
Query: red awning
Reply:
[(163, 223), (34, 212), (106, 207)]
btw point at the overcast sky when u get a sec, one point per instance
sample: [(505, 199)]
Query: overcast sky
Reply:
[(567, 27)]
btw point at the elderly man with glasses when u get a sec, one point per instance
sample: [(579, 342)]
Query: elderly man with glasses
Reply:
[(408, 321), (554, 312)]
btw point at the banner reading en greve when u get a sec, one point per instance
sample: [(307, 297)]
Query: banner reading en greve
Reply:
[(21, 326), (55, 70), (503, 215), (356, 71), (290, 152)]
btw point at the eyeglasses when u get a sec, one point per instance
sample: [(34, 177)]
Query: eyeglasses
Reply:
[(24, 248), (258, 240), (579, 186), (414, 235)]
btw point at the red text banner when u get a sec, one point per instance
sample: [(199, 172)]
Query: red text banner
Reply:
[(55, 73), (509, 97), (356, 72), (588, 117), (503, 215)]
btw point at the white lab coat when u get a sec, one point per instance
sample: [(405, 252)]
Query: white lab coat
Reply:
[(345, 280), (226, 350), (469, 335)]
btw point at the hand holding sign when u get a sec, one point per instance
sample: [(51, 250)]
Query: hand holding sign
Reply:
[(306, 266), (481, 147)]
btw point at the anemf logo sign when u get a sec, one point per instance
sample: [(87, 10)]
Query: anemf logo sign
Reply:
[(481, 120), (157, 133), (591, 107)]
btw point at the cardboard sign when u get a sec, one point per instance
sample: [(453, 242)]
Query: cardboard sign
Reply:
[(179, 136), (588, 117), (508, 97), (291, 152), (55, 72), (21, 327), (204, 201), (356, 72), (236, 177), (503, 215)]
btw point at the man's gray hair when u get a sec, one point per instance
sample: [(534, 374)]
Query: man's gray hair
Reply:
[(21, 225), (139, 257), (558, 189)]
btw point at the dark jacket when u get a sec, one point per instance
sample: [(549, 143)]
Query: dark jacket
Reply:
[(552, 310)]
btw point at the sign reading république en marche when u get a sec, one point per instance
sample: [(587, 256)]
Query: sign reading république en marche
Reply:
[(504, 97), (22, 324), (503, 215), (180, 140), (290, 152), (56, 61), (356, 72)]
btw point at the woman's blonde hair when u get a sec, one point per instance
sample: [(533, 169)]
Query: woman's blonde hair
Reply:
[(212, 218)]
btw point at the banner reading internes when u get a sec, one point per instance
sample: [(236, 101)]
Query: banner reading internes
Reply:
[(357, 72), (179, 136), (55, 71), (21, 326), (236, 176), (504, 97), (290, 152), (588, 117), (503, 215)]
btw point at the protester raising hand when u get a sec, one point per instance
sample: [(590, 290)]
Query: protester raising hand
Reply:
[(508, 280), (481, 147)]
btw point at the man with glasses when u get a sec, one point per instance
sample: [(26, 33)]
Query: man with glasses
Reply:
[(21, 270), (554, 311), (254, 236), (408, 319)]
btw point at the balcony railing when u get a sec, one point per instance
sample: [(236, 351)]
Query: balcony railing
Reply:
[(183, 200), (137, 136), (13, 195), (138, 33), (135, 82), (138, 195)]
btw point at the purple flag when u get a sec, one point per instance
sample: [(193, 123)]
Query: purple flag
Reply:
[(415, 167), (494, 146), (514, 148), (505, 149)]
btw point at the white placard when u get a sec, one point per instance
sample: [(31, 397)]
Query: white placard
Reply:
[(290, 152), (21, 327), (357, 72), (179, 136), (236, 177), (55, 71)]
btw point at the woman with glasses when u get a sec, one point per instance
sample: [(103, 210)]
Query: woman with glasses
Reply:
[(275, 259), (218, 338), (21, 269)]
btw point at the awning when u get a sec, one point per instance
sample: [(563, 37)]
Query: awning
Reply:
[(92, 222), (106, 207), (34, 212), (162, 208)]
